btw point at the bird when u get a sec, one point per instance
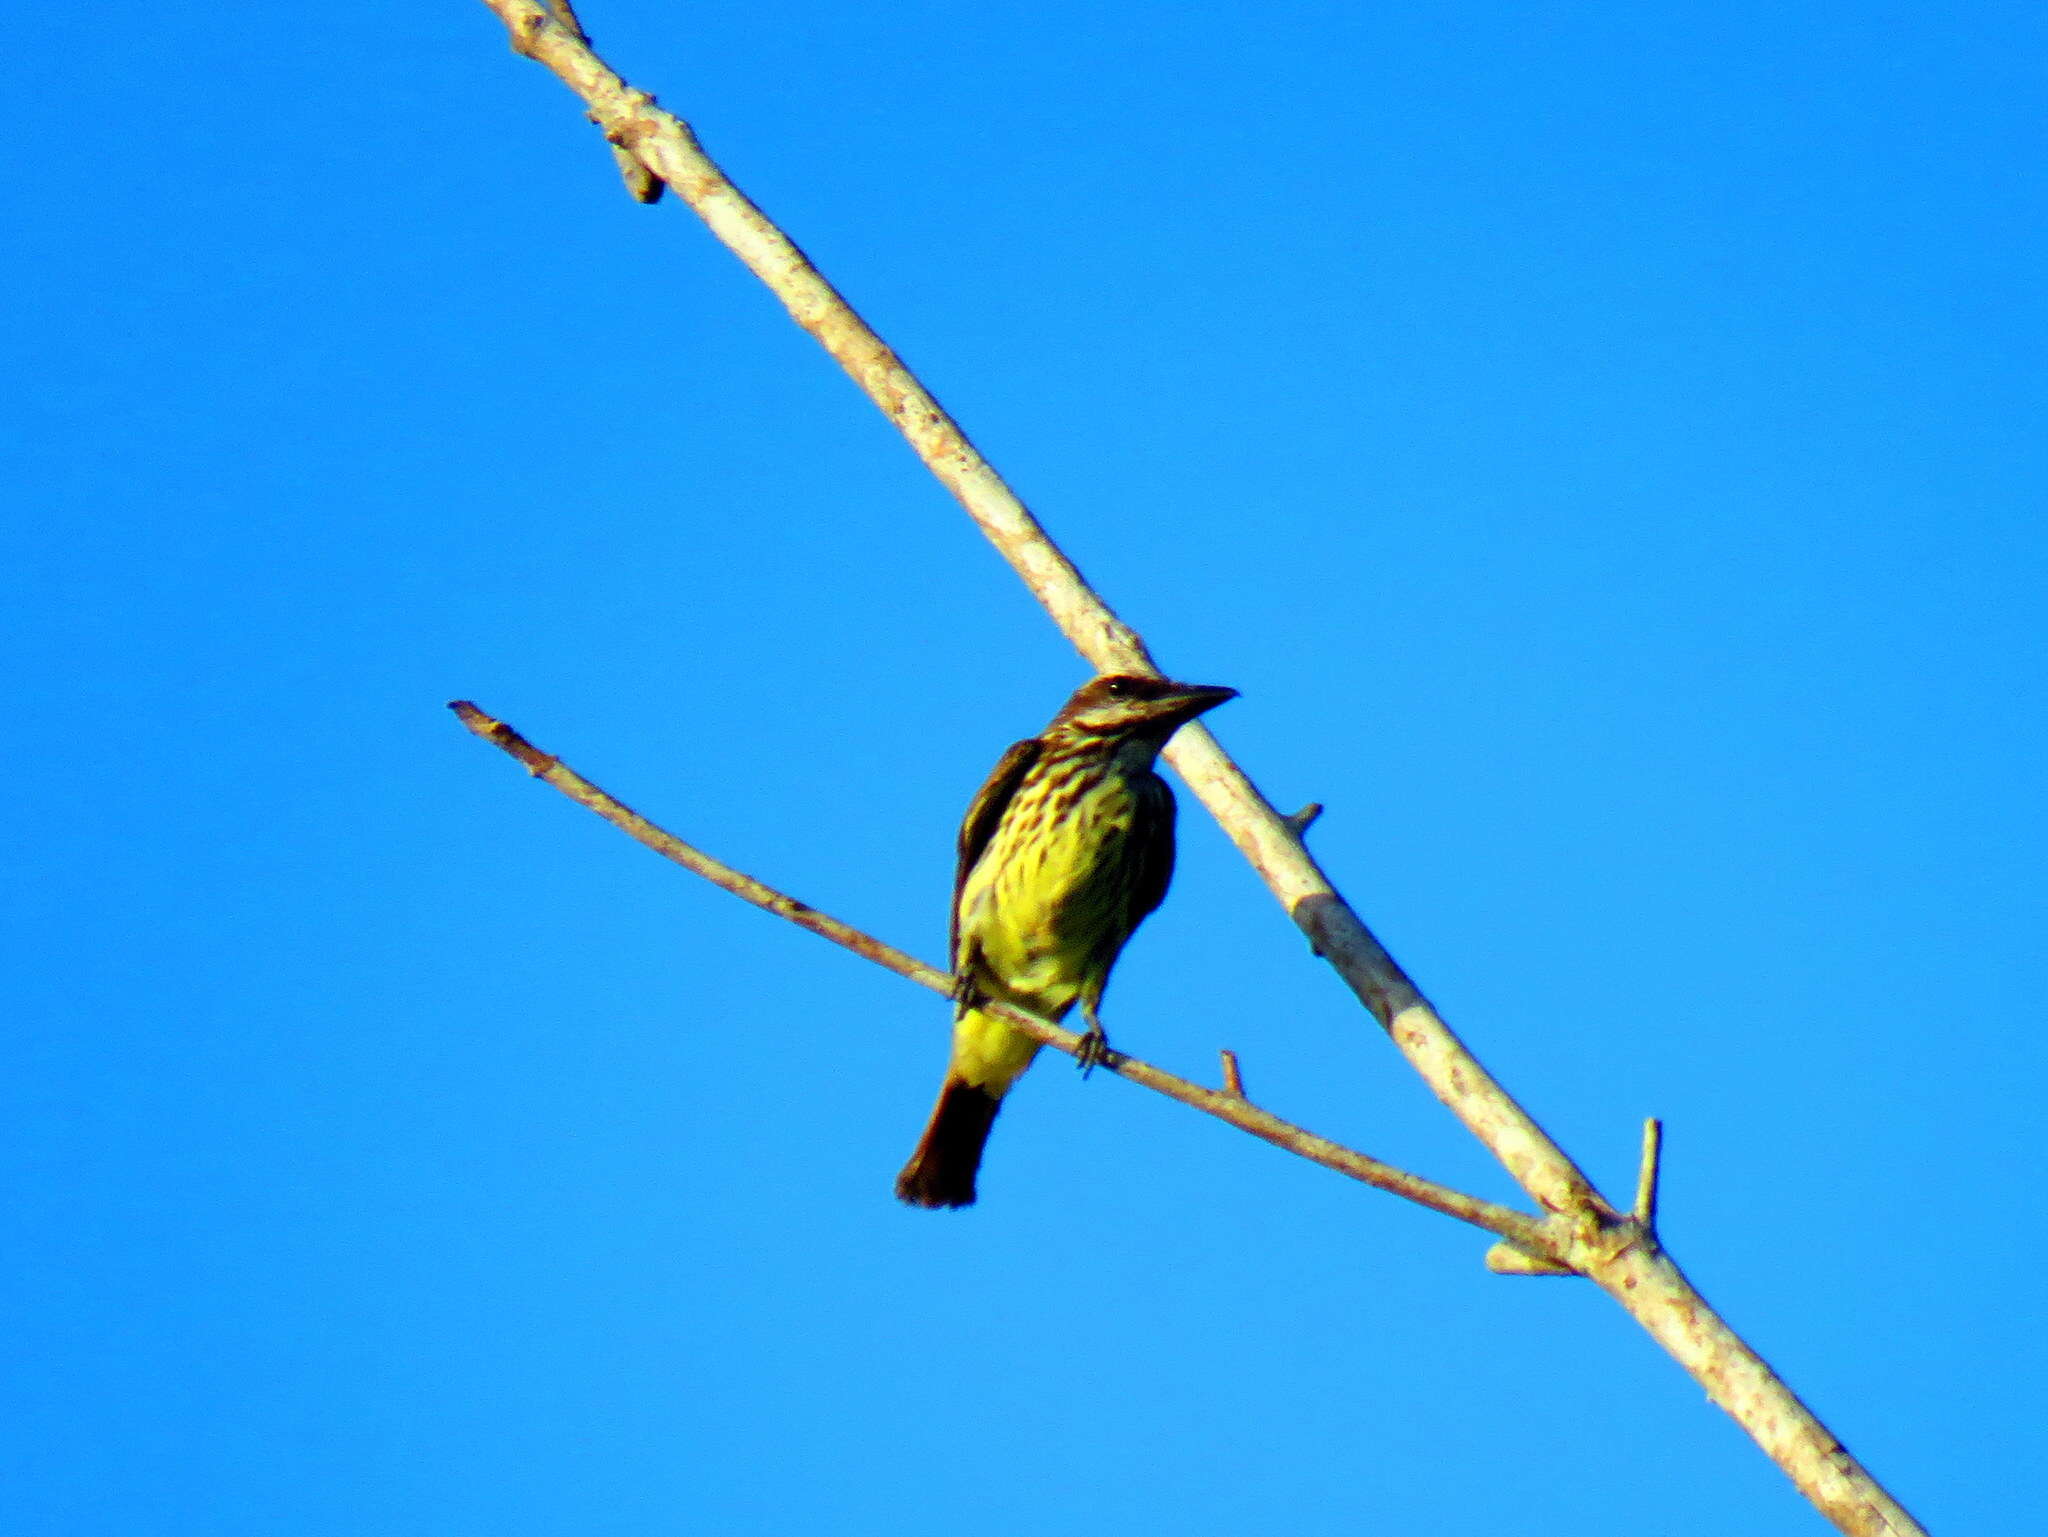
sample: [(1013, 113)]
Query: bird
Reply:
[(1063, 852)]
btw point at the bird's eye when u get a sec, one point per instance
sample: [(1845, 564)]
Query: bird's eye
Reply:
[(1118, 688)]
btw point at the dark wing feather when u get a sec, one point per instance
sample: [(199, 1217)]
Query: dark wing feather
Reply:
[(1151, 850), (1136, 882), (979, 825)]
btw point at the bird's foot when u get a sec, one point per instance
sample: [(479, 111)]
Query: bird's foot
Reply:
[(1094, 1051)]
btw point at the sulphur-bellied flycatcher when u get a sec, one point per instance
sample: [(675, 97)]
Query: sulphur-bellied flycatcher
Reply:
[(1065, 850)]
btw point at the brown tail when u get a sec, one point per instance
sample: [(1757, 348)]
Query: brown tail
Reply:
[(941, 1171)]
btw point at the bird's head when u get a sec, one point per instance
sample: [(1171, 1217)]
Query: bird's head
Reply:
[(1122, 704)]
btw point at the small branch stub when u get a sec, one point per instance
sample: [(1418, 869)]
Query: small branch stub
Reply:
[(1300, 822), (641, 183), (1648, 1175), (1233, 1079), (1507, 1258)]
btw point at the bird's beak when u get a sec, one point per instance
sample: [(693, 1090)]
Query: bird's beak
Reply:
[(1192, 699)]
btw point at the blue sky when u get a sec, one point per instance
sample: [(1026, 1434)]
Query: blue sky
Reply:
[(1601, 442)]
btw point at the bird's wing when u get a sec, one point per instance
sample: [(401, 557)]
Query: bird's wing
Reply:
[(1151, 851), (1131, 882), (979, 825)]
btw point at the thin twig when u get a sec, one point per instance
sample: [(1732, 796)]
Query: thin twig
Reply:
[(1609, 1248), (1514, 1226)]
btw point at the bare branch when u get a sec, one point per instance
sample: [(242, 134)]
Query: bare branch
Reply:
[(666, 145), (1227, 1105), (1613, 1250)]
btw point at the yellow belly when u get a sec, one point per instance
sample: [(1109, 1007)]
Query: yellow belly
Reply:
[(1034, 910), (988, 1054)]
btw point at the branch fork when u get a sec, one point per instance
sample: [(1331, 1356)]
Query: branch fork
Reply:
[(1618, 1253)]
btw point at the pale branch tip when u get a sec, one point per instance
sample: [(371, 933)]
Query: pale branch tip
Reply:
[(1233, 1077)]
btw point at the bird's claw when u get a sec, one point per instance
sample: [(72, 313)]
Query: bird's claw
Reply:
[(1094, 1051)]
